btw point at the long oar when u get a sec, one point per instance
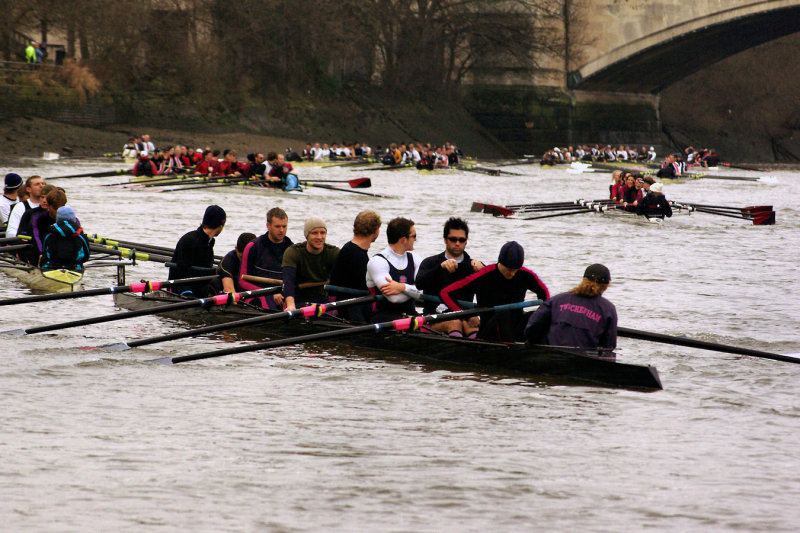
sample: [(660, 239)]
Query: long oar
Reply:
[(129, 254), (548, 204), (744, 210), (382, 167), (269, 182), (138, 246), (681, 341), (220, 299), (155, 179), (403, 324), (759, 218), (304, 312), (356, 183), (340, 189), (144, 286), (575, 212), (13, 248), (9, 239), (103, 174), (496, 210)]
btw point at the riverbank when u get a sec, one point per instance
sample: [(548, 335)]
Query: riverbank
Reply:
[(26, 139)]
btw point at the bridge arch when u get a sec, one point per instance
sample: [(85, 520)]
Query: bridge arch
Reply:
[(658, 60)]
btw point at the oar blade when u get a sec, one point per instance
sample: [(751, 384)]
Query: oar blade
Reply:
[(360, 183), (764, 218), (162, 361)]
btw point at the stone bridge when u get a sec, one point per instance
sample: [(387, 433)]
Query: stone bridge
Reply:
[(644, 46)]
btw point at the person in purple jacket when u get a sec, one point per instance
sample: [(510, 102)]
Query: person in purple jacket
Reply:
[(580, 318)]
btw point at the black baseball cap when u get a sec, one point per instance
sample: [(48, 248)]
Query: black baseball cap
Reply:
[(598, 273)]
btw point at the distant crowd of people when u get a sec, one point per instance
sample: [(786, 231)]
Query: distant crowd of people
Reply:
[(705, 157), (180, 159)]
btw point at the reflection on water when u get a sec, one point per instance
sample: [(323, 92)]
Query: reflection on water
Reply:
[(328, 439)]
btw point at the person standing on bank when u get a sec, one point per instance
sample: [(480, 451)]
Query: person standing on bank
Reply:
[(308, 262), (438, 271), (194, 253), (350, 269), (392, 272), (505, 282), (579, 318)]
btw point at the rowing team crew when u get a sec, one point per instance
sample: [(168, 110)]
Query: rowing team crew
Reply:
[(275, 171), (39, 212), (423, 156), (578, 318), (639, 194), (597, 153)]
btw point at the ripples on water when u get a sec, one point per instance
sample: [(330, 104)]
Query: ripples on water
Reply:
[(309, 440)]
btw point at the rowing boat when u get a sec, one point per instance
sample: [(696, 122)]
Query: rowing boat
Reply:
[(58, 280), (560, 365)]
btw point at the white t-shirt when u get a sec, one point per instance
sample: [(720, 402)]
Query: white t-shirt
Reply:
[(16, 215), (378, 271), (6, 204)]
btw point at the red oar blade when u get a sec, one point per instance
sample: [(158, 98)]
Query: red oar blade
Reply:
[(753, 209), (360, 183), (764, 218)]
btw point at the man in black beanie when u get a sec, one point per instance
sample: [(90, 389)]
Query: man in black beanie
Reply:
[(194, 253)]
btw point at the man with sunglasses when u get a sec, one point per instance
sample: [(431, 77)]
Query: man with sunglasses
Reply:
[(438, 271), (392, 272)]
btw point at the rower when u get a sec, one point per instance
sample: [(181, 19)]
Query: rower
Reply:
[(231, 264), (393, 271), (308, 262), (670, 168), (616, 183), (194, 253), (280, 169), (350, 269), (655, 204), (438, 271), (36, 222), (504, 282), (257, 167), (33, 187), (64, 246), (145, 166), (634, 195), (263, 257), (12, 183), (579, 318)]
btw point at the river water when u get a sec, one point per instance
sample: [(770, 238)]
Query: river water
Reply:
[(299, 440)]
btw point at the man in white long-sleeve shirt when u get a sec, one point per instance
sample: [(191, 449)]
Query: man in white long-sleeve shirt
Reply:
[(393, 271), (34, 186)]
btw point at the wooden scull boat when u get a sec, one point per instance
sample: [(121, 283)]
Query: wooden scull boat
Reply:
[(561, 365)]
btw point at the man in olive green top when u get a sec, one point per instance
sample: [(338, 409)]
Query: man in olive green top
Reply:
[(308, 262)]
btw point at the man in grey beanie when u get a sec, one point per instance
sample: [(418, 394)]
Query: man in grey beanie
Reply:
[(308, 262)]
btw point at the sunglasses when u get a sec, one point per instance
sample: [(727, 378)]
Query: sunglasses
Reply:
[(457, 239), (414, 236)]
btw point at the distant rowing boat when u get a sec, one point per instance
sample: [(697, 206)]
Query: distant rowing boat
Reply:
[(561, 364)]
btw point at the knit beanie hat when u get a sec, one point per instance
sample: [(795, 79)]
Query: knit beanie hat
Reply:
[(214, 216), (511, 255), (12, 182), (66, 213), (312, 223)]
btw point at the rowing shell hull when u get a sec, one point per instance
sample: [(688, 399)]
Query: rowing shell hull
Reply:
[(516, 359), (61, 280)]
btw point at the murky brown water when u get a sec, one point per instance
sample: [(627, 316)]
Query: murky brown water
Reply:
[(292, 440)]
